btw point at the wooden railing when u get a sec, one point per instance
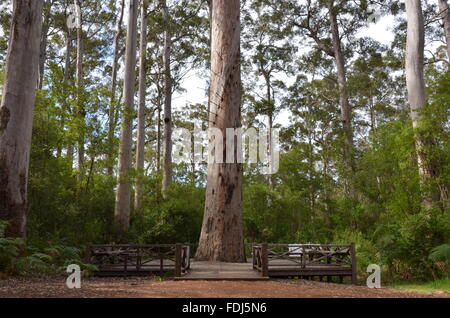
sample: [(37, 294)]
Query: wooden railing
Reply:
[(301, 259), (120, 259), (260, 259)]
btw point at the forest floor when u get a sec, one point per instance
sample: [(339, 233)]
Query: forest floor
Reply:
[(152, 288)]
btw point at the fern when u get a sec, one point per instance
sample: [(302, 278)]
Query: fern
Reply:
[(440, 254)]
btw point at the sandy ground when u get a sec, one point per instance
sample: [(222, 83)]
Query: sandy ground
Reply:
[(150, 288)]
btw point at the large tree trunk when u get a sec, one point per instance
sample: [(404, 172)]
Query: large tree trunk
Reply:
[(222, 234), (417, 99), (346, 112), (140, 148), (167, 172), (112, 106), (445, 11), (80, 94), (123, 194), (16, 113)]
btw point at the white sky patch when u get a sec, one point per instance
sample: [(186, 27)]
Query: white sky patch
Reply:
[(195, 93), (380, 31)]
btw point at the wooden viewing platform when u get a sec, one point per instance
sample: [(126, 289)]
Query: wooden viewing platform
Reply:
[(305, 260), (212, 271), (139, 260), (274, 260)]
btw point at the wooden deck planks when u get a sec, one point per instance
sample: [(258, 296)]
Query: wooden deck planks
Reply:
[(222, 271)]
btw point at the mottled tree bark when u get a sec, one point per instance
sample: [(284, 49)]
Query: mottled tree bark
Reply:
[(123, 194), (140, 148), (445, 11), (16, 113), (222, 234), (167, 166)]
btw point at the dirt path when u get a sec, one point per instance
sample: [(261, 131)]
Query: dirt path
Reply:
[(149, 288)]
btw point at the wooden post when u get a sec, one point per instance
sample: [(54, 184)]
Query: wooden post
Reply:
[(126, 264), (265, 259), (88, 254), (329, 278), (178, 256), (161, 262), (304, 255), (255, 267), (354, 269)]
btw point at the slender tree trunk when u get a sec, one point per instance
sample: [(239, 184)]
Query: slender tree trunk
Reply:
[(80, 99), (140, 148), (44, 42), (16, 113), (112, 106), (66, 107), (417, 97), (67, 79), (346, 112), (270, 116), (159, 128), (445, 11), (222, 234), (123, 194), (167, 172)]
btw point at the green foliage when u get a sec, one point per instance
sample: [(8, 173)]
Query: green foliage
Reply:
[(16, 258), (439, 285), (440, 253), (367, 251), (9, 249), (176, 219)]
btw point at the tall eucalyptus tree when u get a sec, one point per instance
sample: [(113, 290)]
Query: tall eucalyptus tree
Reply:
[(222, 232), (140, 147), (123, 192), (16, 113)]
